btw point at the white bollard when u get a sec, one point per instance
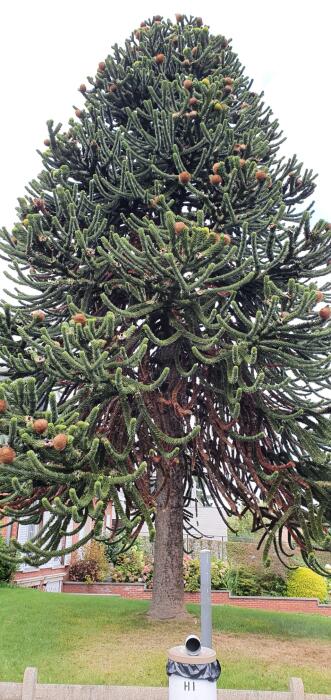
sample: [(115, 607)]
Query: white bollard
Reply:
[(183, 671)]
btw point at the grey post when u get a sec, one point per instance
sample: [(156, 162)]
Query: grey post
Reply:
[(205, 598)]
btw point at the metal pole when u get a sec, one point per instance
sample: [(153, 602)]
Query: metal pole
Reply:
[(205, 598)]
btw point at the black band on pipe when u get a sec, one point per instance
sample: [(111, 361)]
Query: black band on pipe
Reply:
[(203, 672)]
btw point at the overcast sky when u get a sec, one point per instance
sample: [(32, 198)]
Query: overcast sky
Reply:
[(47, 49)]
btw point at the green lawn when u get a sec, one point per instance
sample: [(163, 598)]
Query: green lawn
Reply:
[(82, 639), (284, 625)]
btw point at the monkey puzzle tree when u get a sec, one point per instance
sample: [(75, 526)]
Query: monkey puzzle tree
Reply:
[(169, 330)]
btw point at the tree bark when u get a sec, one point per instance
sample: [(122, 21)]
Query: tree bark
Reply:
[(168, 584)]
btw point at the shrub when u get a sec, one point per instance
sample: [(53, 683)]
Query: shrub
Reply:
[(93, 566), (147, 574), (129, 567), (304, 583), (136, 566), (271, 584), (242, 581), (95, 551), (114, 550), (328, 580), (219, 574), (7, 568), (191, 571), (86, 571), (219, 570), (248, 581)]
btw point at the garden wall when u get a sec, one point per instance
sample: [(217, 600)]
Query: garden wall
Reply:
[(138, 592)]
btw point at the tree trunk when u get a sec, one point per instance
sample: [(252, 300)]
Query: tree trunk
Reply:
[(168, 584)]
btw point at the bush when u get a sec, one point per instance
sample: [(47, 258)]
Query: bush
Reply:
[(86, 571), (7, 569), (219, 570), (191, 571), (328, 580), (272, 584), (129, 567), (147, 574), (93, 566), (248, 581), (219, 574), (305, 583), (242, 581), (136, 566), (95, 551)]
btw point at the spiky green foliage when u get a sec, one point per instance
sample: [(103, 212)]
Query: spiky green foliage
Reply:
[(202, 342)]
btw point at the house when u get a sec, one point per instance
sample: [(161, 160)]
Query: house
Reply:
[(207, 529), (48, 576)]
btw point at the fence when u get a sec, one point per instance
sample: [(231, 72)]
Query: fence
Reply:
[(31, 690)]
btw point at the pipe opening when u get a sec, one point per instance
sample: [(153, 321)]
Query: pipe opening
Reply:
[(192, 645)]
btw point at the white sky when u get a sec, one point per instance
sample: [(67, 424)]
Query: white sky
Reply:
[(48, 48)]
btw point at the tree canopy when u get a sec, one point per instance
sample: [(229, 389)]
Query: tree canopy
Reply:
[(164, 318)]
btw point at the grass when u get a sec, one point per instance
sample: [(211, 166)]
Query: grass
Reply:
[(284, 625), (82, 639)]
